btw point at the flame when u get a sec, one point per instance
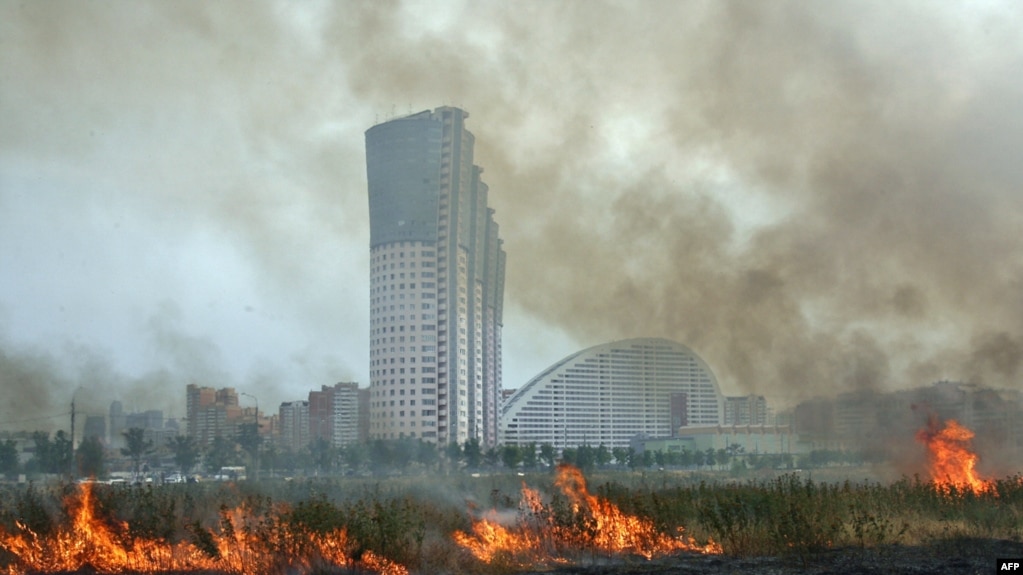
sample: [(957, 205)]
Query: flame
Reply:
[(951, 457), (537, 538), (89, 543)]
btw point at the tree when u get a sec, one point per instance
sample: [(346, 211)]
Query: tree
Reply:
[(722, 458), (220, 454), (8, 457), (492, 456), (136, 447), (633, 459), (686, 458), (647, 458), (186, 452), (511, 456), (270, 457), (51, 456), (42, 447), (427, 455), (603, 455), (529, 457), (672, 458), (59, 455), (547, 454), (322, 454), (708, 457), (355, 456), (288, 460), (620, 455), (585, 457), (473, 453), (454, 455), (403, 452), (660, 459), (90, 457), (249, 439)]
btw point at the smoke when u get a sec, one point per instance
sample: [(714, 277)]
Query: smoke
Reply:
[(32, 386), (624, 147), (40, 385), (815, 198), (194, 358)]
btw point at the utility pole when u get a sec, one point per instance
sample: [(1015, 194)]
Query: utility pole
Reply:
[(71, 459), (256, 438)]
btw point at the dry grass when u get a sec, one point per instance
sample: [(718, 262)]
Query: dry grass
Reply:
[(411, 522)]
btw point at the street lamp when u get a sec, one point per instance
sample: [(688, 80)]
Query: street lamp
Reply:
[(71, 460), (255, 438), (255, 415)]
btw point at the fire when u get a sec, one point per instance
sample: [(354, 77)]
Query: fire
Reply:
[(538, 537), (88, 543), (951, 457)]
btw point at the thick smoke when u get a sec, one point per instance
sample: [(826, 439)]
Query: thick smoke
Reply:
[(628, 147), (814, 197), (40, 384)]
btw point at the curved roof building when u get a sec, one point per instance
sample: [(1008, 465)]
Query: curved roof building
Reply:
[(611, 393)]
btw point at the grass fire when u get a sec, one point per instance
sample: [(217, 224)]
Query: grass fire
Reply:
[(585, 523), (951, 457), (500, 523), (243, 544)]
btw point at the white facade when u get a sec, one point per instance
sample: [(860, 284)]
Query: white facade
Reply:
[(345, 425), (611, 393), (294, 416), (436, 283), (403, 342)]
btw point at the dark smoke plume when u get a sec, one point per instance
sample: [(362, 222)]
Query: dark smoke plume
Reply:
[(887, 252)]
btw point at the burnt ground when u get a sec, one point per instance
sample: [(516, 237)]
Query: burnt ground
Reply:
[(957, 557), (954, 557)]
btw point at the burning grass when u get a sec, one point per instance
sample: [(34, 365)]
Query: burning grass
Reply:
[(544, 534), (422, 526), (951, 457), (244, 542)]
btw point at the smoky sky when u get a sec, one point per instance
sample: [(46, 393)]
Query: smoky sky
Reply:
[(814, 197)]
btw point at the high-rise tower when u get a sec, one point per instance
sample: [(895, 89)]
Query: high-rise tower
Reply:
[(436, 283)]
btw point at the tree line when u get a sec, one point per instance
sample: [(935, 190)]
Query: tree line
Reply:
[(375, 457)]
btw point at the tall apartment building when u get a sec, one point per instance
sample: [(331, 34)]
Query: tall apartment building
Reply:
[(294, 418), (118, 423), (745, 410), (335, 414), (346, 414), (436, 283), (887, 422), (321, 414), (212, 413), (95, 426), (157, 429)]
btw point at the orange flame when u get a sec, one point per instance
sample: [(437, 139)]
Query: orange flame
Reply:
[(951, 457), (538, 538), (89, 543)]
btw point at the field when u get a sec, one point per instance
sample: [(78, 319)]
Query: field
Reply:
[(608, 522)]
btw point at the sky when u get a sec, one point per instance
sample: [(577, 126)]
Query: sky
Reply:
[(815, 197)]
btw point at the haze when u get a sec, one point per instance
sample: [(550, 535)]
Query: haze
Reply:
[(815, 197)]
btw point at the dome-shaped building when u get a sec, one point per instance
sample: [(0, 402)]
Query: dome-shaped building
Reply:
[(612, 393)]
